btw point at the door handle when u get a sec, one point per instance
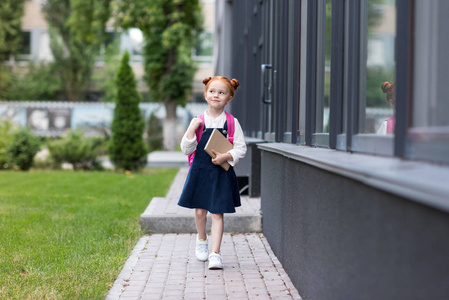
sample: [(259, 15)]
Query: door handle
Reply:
[(264, 83)]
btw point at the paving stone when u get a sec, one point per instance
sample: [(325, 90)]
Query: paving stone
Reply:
[(178, 274), (164, 266)]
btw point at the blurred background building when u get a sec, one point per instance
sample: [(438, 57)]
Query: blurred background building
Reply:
[(36, 44), (53, 118)]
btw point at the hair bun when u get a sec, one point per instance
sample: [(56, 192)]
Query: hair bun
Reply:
[(206, 80), (386, 87), (235, 83)]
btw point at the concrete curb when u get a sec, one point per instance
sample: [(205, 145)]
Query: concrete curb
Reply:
[(125, 275), (185, 224)]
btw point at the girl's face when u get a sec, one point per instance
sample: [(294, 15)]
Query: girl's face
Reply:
[(218, 95)]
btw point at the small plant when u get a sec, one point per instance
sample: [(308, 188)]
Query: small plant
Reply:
[(155, 138), (6, 137), (23, 149), (75, 149)]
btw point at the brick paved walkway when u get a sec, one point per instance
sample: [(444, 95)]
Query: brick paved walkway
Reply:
[(164, 266)]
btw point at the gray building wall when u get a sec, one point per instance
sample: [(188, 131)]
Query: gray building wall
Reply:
[(338, 238)]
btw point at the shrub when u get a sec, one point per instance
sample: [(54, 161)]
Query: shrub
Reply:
[(127, 149), (6, 137), (38, 82), (155, 138), (43, 160), (75, 149), (23, 148)]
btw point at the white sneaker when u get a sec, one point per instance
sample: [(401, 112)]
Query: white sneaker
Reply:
[(201, 249), (215, 261)]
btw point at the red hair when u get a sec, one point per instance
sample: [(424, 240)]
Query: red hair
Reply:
[(390, 89), (232, 84)]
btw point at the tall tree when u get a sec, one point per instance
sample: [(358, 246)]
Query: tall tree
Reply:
[(77, 29), (11, 12), (170, 29), (127, 149)]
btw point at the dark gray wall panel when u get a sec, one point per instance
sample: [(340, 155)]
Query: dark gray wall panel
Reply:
[(340, 239)]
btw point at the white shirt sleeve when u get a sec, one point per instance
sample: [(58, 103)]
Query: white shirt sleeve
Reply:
[(188, 146), (239, 150)]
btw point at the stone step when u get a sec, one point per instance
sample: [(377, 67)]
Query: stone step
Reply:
[(163, 215), (185, 224)]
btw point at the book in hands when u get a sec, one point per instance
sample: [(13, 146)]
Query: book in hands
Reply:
[(218, 142)]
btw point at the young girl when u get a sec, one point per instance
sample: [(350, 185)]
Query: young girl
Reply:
[(208, 187), (387, 127)]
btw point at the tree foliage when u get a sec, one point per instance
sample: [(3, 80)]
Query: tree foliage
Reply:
[(127, 149), (170, 29), (77, 30), (11, 12), (105, 78), (37, 82)]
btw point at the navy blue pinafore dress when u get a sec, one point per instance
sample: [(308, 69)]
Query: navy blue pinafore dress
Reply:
[(209, 186)]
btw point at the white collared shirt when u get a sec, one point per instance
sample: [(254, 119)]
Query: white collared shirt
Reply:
[(239, 150)]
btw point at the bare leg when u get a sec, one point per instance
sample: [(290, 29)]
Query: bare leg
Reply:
[(217, 231), (200, 222)]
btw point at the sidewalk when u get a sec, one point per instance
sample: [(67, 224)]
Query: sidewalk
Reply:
[(164, 266)]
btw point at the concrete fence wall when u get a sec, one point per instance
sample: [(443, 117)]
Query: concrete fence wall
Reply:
[(54, 118)]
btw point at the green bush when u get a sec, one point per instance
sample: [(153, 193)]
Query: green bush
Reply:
[(155, 138), (6, 137), (43, 160), (127, 149), (38, 82), (75, 149), (23, 148)]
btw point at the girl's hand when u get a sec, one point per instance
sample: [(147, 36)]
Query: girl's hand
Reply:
[(194, 125), (221, 157)]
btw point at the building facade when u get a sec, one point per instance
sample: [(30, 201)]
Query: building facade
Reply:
[(36, 45), (347, 104)]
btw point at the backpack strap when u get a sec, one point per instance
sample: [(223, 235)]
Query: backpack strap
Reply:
[(198, 133), (231, 127), (390, 125), (199, 130)]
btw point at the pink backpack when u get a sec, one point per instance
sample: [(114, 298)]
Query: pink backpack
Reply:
[(199, 133), (390, 125)]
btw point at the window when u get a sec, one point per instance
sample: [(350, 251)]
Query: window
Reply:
[(327, 66), (428, 136), (323, 96), (204, 49), (26, 43), (379, 67), (131, 41), (369, 107)]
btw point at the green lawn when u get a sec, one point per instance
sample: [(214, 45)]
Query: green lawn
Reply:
[(66, 235)]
